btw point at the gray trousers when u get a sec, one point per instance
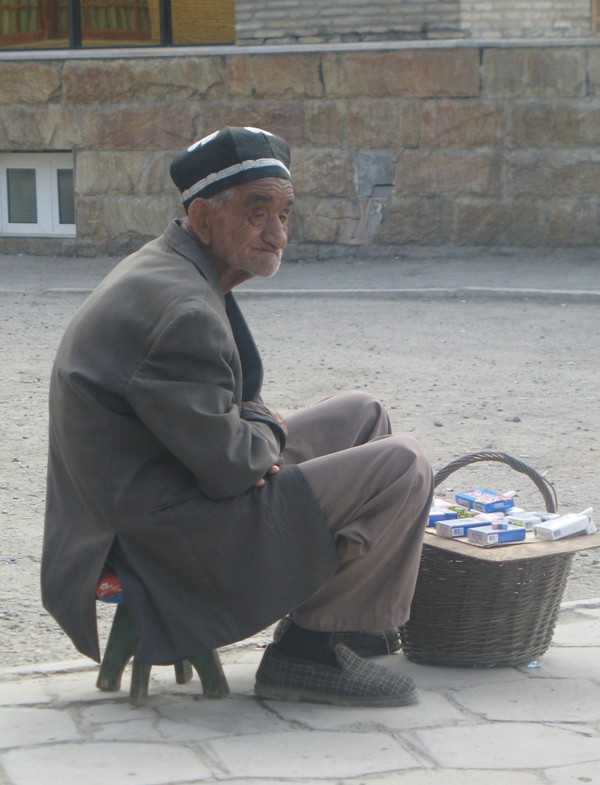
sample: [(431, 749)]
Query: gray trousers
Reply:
[(375, 490)]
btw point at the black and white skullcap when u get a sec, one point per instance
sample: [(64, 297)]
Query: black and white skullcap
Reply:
[(226, 158)]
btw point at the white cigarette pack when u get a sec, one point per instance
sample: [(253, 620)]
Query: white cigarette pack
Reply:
[(526, 521), (568, 525)]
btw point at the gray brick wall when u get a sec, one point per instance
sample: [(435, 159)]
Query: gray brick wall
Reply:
[(526, 18), (309, 21), (313, 21)]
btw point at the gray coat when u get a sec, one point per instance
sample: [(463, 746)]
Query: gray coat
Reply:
[(153, 464)]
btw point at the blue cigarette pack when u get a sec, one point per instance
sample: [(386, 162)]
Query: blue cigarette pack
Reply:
[(484, 500), (458, 528), (440, 514), (487, 536)]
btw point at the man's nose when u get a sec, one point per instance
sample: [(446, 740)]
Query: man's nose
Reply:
[(275, 233)]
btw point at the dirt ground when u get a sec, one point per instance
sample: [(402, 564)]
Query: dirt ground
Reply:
[(461, 375)]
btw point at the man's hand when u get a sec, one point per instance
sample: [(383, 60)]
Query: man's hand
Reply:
[(273, 470), (279, 419), (258, 411)]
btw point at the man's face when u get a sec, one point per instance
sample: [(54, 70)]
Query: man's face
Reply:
[(248, 230)]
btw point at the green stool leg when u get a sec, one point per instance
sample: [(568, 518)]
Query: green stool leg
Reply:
[(119, 650), (209, 668), (183, 671), (140, 677)]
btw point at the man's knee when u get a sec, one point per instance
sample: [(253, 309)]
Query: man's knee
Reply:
[(365, 408), (406, 456)]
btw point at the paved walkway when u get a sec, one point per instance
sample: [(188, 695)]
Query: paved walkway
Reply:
[(502, 726), (506, 726)]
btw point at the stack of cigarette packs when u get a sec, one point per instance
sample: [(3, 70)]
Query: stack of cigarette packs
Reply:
[(487, 519)]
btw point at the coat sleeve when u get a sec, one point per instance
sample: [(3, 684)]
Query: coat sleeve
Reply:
[(185, 391)]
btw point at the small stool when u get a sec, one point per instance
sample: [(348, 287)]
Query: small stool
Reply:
[(121, 646)]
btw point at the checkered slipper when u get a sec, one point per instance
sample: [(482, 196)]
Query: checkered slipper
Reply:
[(365, 644), (358, 682)]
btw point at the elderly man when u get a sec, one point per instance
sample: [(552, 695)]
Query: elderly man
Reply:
[(219, 517)]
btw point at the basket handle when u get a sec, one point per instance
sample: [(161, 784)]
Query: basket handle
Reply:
[(544, 486)]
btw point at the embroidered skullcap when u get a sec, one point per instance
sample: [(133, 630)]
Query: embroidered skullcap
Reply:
[(226, 158)]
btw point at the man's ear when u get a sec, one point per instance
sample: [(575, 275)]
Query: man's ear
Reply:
[(199, 220)]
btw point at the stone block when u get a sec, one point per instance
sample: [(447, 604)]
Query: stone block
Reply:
[(323, 172), (374, 122), (573, 222), (90, 81), (29, 82), (325, 122), (132, 216), (416, 221), (414, 73), (463, 124), (138, 127), (517, 223), (326, 220), (285, 118), (534, 72), (124, 222), (448, 172), (564, 173), (46, 127), (125, 172), (554, 124), (289, 76)]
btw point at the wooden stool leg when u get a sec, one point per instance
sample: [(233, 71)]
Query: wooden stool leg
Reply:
[(140, 676), (209, 669), (119, 650), (183, 671)]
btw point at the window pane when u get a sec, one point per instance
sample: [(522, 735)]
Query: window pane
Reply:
[(22, 200), (203, 21), (66, 196), (33, 23), (110, 22)]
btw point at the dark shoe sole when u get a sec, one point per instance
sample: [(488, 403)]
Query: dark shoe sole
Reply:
[(270, 692)]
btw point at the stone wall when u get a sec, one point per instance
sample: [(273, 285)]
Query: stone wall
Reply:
[(530, 19), (426, 144), (287, 21)]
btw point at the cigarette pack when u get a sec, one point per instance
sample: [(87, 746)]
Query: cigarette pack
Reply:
[(440, 514), (463, 512), (487, 536), (527, 520), (484, 500), (457, 528), (544, 515), (567, 525)]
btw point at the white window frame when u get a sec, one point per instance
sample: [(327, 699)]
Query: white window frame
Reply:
[(46, 167)]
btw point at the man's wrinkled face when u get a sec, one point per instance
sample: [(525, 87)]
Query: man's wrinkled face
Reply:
[(249, 226)]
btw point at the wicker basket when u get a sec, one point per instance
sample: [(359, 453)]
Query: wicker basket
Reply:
[(470, 611)]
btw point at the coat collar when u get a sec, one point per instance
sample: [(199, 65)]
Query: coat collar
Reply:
[(184, 244), (252, 370)]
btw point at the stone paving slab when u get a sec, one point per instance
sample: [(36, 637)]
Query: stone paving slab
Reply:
[(504, 726)]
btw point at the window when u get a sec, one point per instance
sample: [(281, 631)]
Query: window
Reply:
[(596, 16), (37, 196), (74, 23)]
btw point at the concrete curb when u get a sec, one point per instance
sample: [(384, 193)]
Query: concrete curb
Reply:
[(463, 293)]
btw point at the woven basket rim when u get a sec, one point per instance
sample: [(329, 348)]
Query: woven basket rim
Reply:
[(542, 483)]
